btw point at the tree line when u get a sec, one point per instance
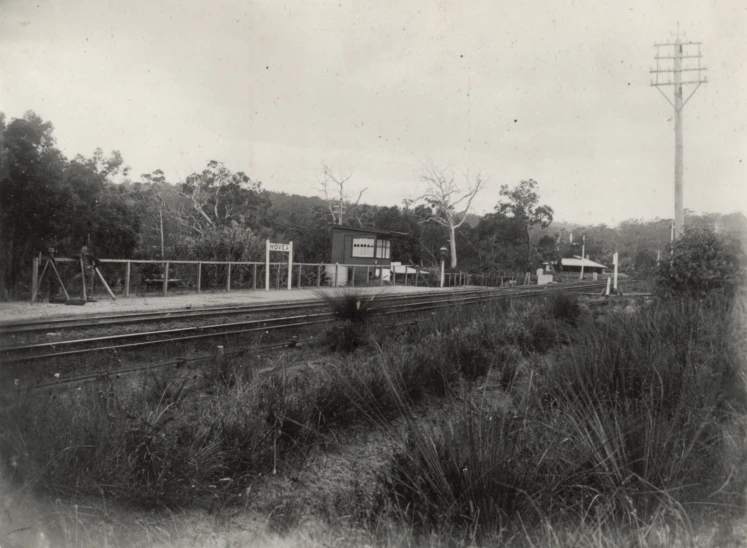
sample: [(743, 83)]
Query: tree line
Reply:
[(48, 200)]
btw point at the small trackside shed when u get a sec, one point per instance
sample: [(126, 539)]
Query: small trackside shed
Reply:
[(362, 246)]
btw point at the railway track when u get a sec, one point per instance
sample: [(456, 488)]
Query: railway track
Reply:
[(101, 320), (387, 305)]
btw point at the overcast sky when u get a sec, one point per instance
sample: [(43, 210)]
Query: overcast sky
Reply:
[(557, 91)]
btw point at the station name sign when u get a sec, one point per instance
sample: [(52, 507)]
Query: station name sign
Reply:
[(280, 247)]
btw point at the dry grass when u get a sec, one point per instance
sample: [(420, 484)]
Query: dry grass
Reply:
[(559, 466)]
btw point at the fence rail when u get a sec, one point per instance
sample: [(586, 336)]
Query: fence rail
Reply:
[(139, 276)]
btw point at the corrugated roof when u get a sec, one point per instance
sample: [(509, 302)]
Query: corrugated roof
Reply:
[(577, 261)]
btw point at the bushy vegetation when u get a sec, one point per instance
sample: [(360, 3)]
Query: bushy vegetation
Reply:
[(635, 423), (564, 306), (636, 419), (701, 261), (165, 443), (351, 308), (216, 214)]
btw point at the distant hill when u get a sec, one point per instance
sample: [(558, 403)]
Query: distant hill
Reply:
[(284, 203), (473, 220)]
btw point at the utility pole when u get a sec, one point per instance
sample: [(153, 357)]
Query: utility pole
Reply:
[(676, 52)]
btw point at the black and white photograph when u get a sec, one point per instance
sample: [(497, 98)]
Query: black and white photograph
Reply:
[(397, 274)]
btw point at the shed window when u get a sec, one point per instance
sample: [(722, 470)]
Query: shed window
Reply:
[(363, 247), (383, 249)]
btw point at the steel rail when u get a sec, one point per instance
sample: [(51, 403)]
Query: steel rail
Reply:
[(176, 362), (100, 320), (173, 362), (263, 324), (72, 322)]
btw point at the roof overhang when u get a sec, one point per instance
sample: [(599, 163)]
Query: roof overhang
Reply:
[(375, 231), (575, 261)]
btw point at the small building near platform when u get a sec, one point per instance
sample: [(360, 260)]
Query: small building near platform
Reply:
[(573, 264), (365, 247)]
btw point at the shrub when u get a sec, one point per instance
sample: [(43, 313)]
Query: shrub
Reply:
[(345, 336), (351, 308), (348, 304), (477, 472), (646, 398), (701, 261), (639, 419), (565, 307)]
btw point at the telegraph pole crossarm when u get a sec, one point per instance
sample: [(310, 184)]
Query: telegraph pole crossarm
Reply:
[(680, 50)]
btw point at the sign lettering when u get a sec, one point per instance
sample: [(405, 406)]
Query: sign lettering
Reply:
[(280, 247)]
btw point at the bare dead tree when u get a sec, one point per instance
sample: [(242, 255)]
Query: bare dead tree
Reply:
[(333, 189), (199, 197), (450, 202)]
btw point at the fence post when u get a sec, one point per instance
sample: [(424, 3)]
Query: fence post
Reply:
[(352, 280), (277, 281), (417, 271), (290, 265), (337, 268), (368, 274), (228, 278), (199, 277), (392, 274), (254, 277), (267, 265), (381, 277), (34, 278), (406, 275), (300, 267), (127, 280), (166, 278), (319, 275)]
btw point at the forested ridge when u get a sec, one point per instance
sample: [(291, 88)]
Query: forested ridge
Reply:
[(47, 199)]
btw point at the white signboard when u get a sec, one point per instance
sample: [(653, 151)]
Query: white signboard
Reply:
[(285, 248), (280, 247)]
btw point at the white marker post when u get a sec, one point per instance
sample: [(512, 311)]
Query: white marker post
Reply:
[(284, 248), (290, 266), (267, 265), (583, 256), (443, 252), (614, 262)]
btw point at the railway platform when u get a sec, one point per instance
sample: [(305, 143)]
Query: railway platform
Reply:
[(13, 312)]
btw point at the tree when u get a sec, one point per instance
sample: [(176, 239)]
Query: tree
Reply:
[(338, 201), (547, 247), (701, 261), (500, 241), (102, 212), (219, 198), (522, 203), (431, 236), (449, 203), (35, 202), (156, 204)]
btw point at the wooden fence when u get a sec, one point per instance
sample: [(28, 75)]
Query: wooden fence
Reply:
[(128, 276)]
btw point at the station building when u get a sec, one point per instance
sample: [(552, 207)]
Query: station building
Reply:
[(366, 249)]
